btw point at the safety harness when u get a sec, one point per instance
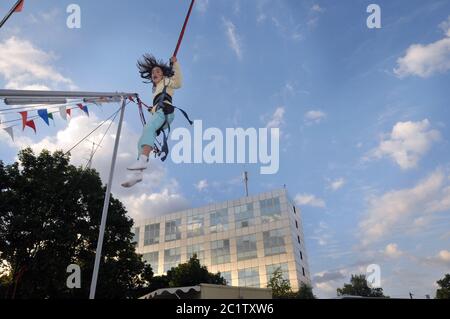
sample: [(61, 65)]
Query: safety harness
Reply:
[(162, 101)]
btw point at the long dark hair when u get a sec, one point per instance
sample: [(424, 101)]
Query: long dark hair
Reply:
[(148, 63)]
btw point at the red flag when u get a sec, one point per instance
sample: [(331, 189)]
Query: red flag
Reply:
[(32, 125), (20, 6), (69, 111), (24, 119)]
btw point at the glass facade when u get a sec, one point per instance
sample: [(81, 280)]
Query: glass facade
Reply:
[(218, 221), (274, 243), (196, 250), (271, 269), (249, 277), (153, 260), (136, 235), (173, 230), (172, 258), (151, 235), (246, 247), (195, 226), (220, 252), (246, 240), (270, 210), (244, 216)]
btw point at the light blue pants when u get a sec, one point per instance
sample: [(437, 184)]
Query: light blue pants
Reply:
[(154, 124)]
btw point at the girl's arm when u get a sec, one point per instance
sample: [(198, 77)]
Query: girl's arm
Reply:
[(176, 81)]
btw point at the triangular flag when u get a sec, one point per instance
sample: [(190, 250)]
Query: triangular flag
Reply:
[(20, 6), (69, 112), (131, 99), (63, 112), (24, 119), (10, 132), (84, 108), (44, 115), (50, 116), (32, 125)]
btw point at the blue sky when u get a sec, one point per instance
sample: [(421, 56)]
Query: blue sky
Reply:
[(363, 114)]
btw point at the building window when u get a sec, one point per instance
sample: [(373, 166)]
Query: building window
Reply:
[(301, 255), (195, 226), (220, 252), (274, 243), (295, 210), (136, 236), (219, 221), (270, 210), (172, 258), (244, 216), (152, 259), (298, 238), (249, 277), (296, 224), (271, 269), (227, 276), (246, 247), (173, 230), (303, 269), (196, 250), (151, 235)]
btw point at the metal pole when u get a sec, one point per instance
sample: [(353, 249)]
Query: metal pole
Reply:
[(101, 235), (9, 14)]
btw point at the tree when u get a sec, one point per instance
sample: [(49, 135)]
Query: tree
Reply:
[(444, 288), (305, 292), (192, 273), (50, 213), (281, 288), (359, 287)]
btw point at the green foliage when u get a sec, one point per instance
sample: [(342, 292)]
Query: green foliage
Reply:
[(281, 288), (359, 287), (443, 292), (50, 213)]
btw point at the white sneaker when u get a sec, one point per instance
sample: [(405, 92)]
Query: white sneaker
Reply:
[(140, 165), (133, 179)]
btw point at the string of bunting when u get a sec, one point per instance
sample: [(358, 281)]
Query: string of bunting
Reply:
[(45, 115)]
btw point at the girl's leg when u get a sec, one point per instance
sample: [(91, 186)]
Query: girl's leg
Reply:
[(147, 140)]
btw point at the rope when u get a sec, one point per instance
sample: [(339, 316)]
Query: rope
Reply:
[(180, 39), (94, 130)]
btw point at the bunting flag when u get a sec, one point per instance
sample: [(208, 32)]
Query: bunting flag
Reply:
[(69, 112), (131, 99), (31, 125), (44, 115), (63, 112), (10, 132), (84, 108), (50, 116), (24, 119), (19, 7)]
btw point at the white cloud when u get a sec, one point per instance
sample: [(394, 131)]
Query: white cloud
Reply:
[(407, 144), (202, 6), (392, 251), (441, 259), (426, 60), (26, 67), (202, 185), (234, 39), (277, 119), (317, 8), (337, 184), (402, 207), (157, 195), (314, 117), (309, 200)]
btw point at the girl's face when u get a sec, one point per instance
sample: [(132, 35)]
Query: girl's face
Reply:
[(157, 75)]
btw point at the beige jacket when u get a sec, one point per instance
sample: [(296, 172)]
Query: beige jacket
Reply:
[(173, 83)]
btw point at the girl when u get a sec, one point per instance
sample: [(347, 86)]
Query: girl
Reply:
[(165, 80)]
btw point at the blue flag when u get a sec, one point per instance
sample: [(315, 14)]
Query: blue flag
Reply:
[(44, 115)]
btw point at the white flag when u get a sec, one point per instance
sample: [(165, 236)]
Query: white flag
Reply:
[(63, 112), (10, 132)]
